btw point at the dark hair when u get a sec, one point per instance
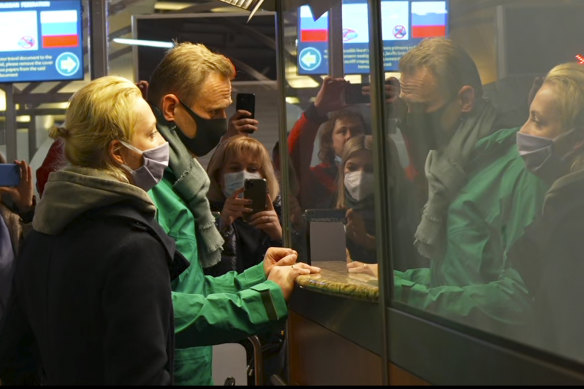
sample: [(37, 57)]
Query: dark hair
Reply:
[(326, 152)]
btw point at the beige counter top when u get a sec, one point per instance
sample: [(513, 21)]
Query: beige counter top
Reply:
[(334, 279)]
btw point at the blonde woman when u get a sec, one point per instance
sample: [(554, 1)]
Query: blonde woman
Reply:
[(549, 256), (92, 299), (236, 159)]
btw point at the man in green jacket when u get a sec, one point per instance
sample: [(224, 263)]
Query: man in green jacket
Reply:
[(189, 92), (480, 195)]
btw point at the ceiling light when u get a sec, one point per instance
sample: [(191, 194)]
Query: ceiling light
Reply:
[(143, 42)]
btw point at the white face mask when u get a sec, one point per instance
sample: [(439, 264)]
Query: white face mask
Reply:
[(359, 184), (234, 181), (152, 171)]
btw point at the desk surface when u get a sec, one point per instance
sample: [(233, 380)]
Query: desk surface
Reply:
[(334, 279)]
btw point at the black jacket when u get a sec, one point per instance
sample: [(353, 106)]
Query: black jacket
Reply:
[(92, 303)]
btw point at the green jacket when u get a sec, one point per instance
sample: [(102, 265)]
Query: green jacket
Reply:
[(474, 282), (210, 310)]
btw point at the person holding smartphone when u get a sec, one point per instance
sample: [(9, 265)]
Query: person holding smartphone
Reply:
[(17, 204), (237, 160), (243, 184)]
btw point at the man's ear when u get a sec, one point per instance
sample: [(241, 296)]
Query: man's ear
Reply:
[(169, 103), (466, 98), (114, 151)]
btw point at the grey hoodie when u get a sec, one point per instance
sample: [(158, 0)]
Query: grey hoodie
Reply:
[(74, 190)]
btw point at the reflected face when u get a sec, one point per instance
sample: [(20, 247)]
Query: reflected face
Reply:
[(345, 129), (420, 91), (361, 160), (544, 114), (145, 136), (212, 102), (422, 94)]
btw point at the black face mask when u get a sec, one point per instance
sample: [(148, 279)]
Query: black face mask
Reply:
[(209, 133)]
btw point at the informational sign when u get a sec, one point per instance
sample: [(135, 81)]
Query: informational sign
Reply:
[(41, 41), (404, 24)]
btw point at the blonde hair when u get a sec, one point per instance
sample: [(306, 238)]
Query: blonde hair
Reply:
[(183, 70), (449, 63), (236, 146), (568, 81), (353, 145), (98, 113)]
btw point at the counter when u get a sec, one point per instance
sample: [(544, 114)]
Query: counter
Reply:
[(334, 279)]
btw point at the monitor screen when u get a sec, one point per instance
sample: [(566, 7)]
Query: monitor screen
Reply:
[(41, 41), (405, 24), (250, 46)]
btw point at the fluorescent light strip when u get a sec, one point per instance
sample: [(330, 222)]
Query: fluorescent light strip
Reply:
[(142, 42)]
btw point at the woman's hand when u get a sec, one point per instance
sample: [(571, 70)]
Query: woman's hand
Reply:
[(356, 230), (268, 221), (234, 207), (241, 123), (23, 194)]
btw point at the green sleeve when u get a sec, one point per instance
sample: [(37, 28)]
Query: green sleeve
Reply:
[(232, 282), (224, 317), (496, 306)]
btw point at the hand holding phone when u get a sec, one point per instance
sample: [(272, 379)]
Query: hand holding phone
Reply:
[(354, 94), (246, 101), (9, 174), (256, 190)]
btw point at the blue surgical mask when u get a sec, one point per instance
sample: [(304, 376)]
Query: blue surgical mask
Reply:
[(152, 170), (234, 181), (209, 133)]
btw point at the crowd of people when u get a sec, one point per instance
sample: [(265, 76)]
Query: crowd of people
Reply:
[(136, 259)]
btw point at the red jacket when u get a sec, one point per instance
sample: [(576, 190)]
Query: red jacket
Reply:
[(54, 161), (317, 184)]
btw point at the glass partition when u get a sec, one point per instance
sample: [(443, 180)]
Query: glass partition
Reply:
[(481, 159)]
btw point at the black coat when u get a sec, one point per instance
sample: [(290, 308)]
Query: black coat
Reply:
[(550, 258), (93, 303), (245, 245)]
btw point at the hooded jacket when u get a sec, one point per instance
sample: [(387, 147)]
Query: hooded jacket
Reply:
[(210, 310), (474, 282), (92, 298)]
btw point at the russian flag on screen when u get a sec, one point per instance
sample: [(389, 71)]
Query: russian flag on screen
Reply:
[(312, 30), (428, 19), (59, 29)]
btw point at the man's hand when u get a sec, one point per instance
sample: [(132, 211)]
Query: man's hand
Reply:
[(285, 276), (359, 267), (280, 256)]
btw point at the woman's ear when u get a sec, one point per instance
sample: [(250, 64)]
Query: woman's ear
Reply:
[(115, 151), (168, 106)]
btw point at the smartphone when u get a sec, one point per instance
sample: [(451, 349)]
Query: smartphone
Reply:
[(246, 101), (9, 174), (354, 94), (255, 189)]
